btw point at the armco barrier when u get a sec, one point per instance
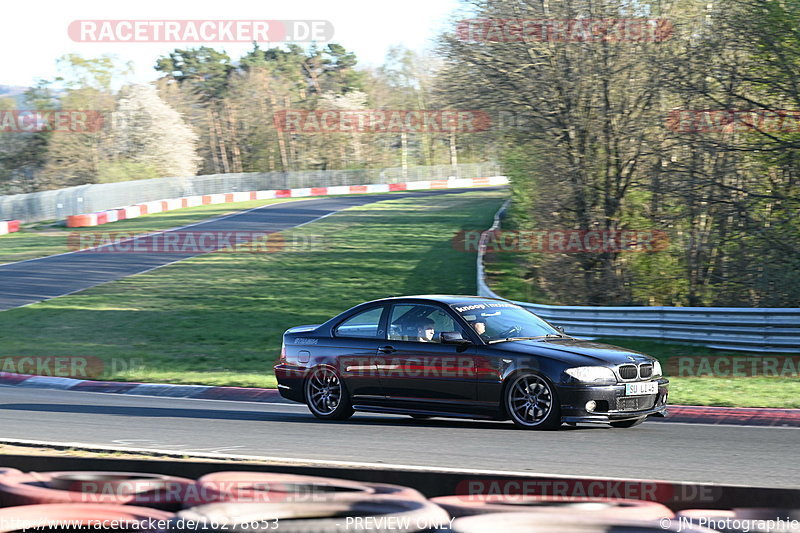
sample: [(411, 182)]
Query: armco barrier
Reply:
[(8, 226), (764, 329), (158, 206)]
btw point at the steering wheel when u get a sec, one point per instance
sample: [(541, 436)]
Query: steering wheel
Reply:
[(510, 332)]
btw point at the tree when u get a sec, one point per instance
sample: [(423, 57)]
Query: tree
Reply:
[(146, 131)]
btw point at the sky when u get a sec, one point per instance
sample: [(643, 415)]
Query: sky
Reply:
[(366, 27)]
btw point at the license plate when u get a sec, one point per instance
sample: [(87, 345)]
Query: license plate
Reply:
[(641, 388)]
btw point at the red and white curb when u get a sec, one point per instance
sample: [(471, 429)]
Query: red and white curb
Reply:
[(159, 206), (249, 394), (8, 226), (737, 416)]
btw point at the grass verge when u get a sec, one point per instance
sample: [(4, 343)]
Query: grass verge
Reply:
[(217, 319), (48, 238), (699, 389)]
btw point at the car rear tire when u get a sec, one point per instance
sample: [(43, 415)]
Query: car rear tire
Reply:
[(628, 423), (532, 402), (326, 395)]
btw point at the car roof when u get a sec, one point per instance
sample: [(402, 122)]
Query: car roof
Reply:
[(448, 299)]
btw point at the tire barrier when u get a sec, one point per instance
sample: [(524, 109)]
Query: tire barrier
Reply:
[(81, 515), (120, 488), (264, 487), (159, 206), (246, 501), (595, 508), (370, 514), (538, 523)]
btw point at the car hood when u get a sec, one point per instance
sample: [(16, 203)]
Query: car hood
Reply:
[(577, 352)]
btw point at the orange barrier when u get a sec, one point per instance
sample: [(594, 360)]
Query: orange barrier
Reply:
[(112, 215)]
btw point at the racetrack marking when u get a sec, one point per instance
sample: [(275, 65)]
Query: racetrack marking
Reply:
[(216, 449), (204, 221), (307, 462), (385, 415), (404, 194), (360, 200)]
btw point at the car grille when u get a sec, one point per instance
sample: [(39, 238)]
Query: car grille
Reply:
[(628, 372), (636, 403), (632, 372)]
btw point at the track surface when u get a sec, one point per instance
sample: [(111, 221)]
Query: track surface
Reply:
[(35, 280), (758, 456)]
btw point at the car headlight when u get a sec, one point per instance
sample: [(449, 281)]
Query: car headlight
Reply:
[(657, 372), (592, 374)]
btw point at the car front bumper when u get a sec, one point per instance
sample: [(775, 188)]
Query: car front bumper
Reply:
[(610, 408)]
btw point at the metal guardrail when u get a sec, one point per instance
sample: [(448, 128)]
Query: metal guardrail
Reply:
[(763, 329), (61, 203)]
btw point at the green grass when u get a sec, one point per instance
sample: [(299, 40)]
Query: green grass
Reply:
[(217, 319), (48, 238), (507, 276), (750, 391)]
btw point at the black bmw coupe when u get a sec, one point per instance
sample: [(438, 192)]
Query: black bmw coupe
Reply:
[(465, 357)]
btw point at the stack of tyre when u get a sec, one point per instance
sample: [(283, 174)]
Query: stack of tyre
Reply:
[(251, 501)]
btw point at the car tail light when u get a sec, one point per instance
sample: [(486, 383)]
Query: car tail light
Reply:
[(282, 358)]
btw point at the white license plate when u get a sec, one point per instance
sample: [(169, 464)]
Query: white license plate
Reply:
[(640, 388)]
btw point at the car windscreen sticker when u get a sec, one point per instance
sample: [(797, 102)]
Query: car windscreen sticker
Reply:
[(487, 305)]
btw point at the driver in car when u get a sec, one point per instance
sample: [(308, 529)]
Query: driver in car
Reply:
[(426, 328), (480, 328)]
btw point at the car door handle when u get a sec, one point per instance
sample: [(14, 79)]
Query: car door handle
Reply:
[(387, 349)]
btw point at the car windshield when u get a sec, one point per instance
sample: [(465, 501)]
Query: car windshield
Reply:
[(497, 321)]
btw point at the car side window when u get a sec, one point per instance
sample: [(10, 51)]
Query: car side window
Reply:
[(420, 323), (365, 325)]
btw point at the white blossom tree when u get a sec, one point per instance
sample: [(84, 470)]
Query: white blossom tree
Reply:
[(148, 132)]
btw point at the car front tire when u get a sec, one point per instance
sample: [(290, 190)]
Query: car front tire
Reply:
[(531, 402), (326, 396)]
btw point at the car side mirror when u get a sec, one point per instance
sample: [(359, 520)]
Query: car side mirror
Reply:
[(453, 337), (561, 329)]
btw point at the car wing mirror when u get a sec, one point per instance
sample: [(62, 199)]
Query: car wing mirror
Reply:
[(453, 337), (560, 328)]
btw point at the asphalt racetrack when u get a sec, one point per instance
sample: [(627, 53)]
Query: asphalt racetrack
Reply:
[(31, 281), (756, 456)]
